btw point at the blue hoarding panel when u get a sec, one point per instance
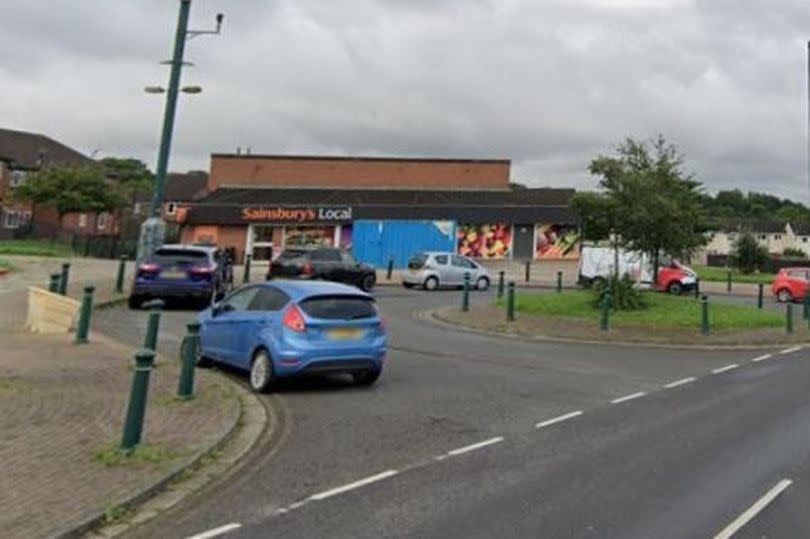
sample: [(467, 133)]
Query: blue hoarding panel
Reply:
[(375, 242)]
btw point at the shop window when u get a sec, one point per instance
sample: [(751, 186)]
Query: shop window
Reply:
[(556, 242), (309, 236), (82, 220), (492, 240), (326, 255), (12, 219)]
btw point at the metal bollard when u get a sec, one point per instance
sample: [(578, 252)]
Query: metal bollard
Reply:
[(728, 282), (390, 268), (119, 279), (246, 277), (133, 424), (697, 287), (704, 315), (83, 327), (63, 279), (191, 346), (510, 302), (500, 283), (559, 281), (53, 286), (528, 270), (465, 294), (607, 303), (806, 305), (759, 296), (789, 319), (151, 338)]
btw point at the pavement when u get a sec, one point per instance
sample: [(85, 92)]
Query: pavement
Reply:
[(474, 435)]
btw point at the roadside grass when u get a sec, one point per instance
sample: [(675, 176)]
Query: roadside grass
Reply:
[(112, 455), (35, 248), (711, 273), (662, 312), (6, 265)]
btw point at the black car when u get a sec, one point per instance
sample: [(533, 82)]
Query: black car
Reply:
[(327, 263), (182, 272)]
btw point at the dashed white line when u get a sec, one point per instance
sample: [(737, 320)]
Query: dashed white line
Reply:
[(762, 358), (473, 447), (790, 350), (752, 511), (725, 369), (215, 532), (351, 486), (558, 419), (681, 382), (628, 397)]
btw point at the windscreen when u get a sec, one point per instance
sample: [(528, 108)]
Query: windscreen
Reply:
[(168, 257), (339, 307), (417, 261)]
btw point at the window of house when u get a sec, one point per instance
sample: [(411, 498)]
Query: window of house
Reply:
[(17, 178), (101, 220), (763, 237), (82, 220), (12, 219), (777, 237), (171, 208), (25, 217), (804, 239)]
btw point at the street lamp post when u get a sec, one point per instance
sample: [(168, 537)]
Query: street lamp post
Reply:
[(153, 230)]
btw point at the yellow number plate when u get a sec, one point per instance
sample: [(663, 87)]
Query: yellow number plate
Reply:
[(345, 334), (173, 275)]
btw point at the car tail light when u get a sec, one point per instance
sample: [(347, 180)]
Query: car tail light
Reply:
[(294, 320), (148, 268), (307, 269)]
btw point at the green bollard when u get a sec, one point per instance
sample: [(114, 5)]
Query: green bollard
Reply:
[(191, 347), (465, 294), (728, 282), (697, 287), (63, 280), (559, 281), (119, 279), (789, 319), (510, 302), (500, 283), (607, 301), (759, 296), (528, 271), (133, 424), (806, 305), (390, 270), (151, 338), (704, 315), (53, 286), (83, 328), (246, 277)]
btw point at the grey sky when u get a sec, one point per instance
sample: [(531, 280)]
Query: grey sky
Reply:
[(546, 83)]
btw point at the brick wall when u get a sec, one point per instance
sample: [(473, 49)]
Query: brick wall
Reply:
[(256, 170)]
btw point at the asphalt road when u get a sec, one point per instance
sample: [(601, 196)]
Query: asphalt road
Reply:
[(668, 443)]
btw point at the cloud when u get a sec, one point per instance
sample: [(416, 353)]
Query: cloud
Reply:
[(547, 83)]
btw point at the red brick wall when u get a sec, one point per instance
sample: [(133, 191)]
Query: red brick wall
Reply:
[(48, 219), (331, 172)]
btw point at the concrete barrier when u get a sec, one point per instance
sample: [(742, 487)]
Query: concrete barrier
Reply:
[(49, 312)]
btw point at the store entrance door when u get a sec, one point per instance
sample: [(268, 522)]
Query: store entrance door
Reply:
[(260, 243), (524, 242)]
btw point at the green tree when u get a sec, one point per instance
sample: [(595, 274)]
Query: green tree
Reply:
[(793, 252), (69, 189), (132, 174), (647, 199), (748, 254)]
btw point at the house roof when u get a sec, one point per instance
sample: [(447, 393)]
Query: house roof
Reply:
[(185, 187), (31, 150), (754, 226)]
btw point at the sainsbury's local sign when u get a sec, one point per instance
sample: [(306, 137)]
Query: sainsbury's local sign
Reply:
[(282, 214)]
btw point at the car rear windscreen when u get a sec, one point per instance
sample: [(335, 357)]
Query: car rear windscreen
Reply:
[(166, 257), (418, 261), (339, 307)]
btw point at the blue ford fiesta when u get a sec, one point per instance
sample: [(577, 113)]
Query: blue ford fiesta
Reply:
[(282, 328)]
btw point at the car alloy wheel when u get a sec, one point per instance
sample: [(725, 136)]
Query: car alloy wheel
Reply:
[(261, 372), (368, 283), (431, 283), (784, 296), (675, 288), (482, 283)]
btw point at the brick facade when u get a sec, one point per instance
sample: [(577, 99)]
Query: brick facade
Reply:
[(282, 171)]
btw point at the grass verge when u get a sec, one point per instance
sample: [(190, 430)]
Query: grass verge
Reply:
[(112, 455), (710, 273), (35, 248), (5, 265), (662, 312)]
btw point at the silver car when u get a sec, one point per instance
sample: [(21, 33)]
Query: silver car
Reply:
[(432, 270)]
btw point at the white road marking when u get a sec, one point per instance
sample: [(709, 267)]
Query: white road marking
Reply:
[(473, 447), (351, 486), (725, 369), (217, 531), (752, 511), (558, 419), (790, 350), (628, 397), (296, 505), (762, 358), (681, 382)]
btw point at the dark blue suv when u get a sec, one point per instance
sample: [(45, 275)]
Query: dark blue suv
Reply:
[(202, 273)]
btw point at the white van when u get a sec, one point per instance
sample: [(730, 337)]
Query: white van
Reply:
[(600, 262)]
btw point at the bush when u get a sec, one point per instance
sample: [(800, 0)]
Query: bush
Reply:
[(749, 255), (793, 252), (624, 294)]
